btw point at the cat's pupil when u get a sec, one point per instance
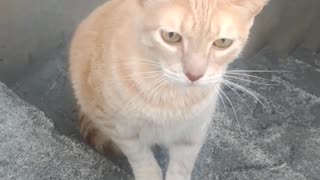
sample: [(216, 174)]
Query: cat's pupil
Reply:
[(171, 34)]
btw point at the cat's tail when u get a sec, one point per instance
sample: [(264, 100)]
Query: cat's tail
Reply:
[(94, 137)]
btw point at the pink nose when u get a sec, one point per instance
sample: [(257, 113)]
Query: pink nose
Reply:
[(193, 77)]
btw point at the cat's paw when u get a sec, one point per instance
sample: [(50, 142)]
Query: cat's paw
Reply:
[(151, 177), (177, 177), (147, 174)]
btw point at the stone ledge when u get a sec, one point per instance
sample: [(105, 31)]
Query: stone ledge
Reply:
[(31, 149)]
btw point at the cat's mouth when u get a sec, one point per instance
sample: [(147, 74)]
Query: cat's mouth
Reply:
[(175, 76), (180, 79)]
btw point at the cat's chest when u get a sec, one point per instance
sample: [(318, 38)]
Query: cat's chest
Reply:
[(164, 115), (170, 131), (165, 135), (163, 126)]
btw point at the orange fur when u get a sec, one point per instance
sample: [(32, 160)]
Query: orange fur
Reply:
[(132, 87)]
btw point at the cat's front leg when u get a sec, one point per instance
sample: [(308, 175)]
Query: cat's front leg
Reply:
[(182, 159), (183, 154), (141, 159)]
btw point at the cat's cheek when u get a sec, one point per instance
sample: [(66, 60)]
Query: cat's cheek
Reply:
[(228, 54), (146, 42), (149, 39), (224, 56)]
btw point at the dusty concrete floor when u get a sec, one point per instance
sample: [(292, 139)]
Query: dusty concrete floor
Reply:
[(31, 148)]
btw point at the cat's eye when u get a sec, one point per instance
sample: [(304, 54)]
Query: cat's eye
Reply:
[(171, 37), (223, 43)]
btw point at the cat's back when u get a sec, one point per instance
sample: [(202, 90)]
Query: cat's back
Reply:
[(91, 29)]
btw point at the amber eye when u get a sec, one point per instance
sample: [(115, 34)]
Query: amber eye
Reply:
[(223, 43), (171, 37)]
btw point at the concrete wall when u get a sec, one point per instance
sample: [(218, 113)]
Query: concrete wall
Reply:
[(31, 30)]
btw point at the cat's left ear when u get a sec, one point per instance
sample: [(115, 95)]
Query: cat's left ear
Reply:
[(253, 6), (259, 5), (146, 3)]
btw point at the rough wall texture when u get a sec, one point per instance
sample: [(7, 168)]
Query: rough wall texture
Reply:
[(32, 29)]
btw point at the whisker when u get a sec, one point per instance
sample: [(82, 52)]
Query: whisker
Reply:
[(249, 75), (130, 101), (243, 89), (250, 81), (233, 109), (155, 86), (138, 63), (233, 90), (128, 66), (157, 89), (147, 72), (214, 80), (145, 77), (142, 61), (135, 58), (224, 104), (174, 78), (151, 86), (261, 71)]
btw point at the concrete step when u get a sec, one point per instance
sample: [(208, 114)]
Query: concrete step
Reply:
[(31, 149)]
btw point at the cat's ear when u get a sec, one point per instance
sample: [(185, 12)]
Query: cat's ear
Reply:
[(146, 3), (253, 6), (259, 5)]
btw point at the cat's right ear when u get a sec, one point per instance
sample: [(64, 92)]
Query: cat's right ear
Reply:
[(148, 3)]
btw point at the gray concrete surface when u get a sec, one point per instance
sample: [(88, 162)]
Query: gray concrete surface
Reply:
[(31, 29), (278, 141), (31, 149)]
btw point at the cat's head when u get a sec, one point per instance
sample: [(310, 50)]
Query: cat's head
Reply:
[(195, 40)]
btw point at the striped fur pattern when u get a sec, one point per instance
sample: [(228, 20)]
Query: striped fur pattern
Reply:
[(96, 139)]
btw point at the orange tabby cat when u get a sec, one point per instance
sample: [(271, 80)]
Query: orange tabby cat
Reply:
[(147, 72)]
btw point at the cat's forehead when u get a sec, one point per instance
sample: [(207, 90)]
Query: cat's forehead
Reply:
[(199, 17)]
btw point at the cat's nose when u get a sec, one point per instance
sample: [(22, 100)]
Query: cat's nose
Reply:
[(193, 77)]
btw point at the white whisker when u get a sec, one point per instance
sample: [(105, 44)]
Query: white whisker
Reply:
[(130, 65), (135, 58), (249, 75), (246, 91), (233, 90), (250, 81), (224, 104), (145, 77), (157, 87), (261, 71), (233, 109)]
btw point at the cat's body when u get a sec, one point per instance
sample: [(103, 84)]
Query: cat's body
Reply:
[(136, 90)]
